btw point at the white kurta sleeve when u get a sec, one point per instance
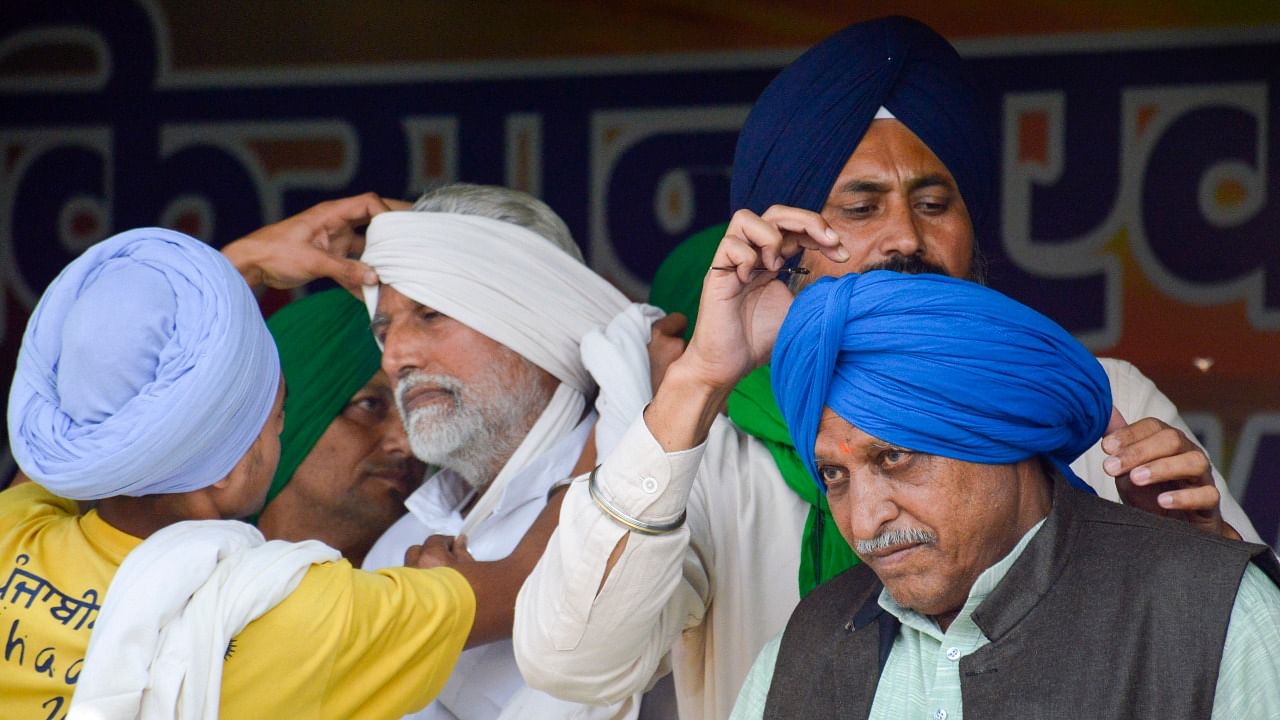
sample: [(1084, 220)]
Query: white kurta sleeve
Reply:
[(1136, 397), (586, 647)]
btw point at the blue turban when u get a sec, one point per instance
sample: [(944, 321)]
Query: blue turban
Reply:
[(146, 368), (937, 365), (808, 121)]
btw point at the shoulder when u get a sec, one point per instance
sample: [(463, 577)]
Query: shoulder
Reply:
[(1149, 543), (1135, 395), (30, 501), (336, 605)]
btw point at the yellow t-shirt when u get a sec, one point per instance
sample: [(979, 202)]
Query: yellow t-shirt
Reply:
[(345, 643)]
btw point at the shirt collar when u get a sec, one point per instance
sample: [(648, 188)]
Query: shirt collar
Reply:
[(108, 539)]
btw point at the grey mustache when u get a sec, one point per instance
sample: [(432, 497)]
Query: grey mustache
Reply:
[(890, 538)]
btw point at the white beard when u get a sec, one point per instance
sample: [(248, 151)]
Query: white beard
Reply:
[(477, 430)]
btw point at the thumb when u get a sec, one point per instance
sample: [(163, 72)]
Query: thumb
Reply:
[(673, 324), (411, 555), (460, 548)]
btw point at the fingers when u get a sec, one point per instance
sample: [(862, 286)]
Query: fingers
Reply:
[(396, 204), (460, 550), (435, 551), (350, 274), (1116, 422), (412, 555), (1200, 499), (1152, 453), (807, 229), (1143, 442), (1191, 465), (348, 211), (767, 241), (743, 255)]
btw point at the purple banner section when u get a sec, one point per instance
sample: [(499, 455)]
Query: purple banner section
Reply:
[(1162, 143)]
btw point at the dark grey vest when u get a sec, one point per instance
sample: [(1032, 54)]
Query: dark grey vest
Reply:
[(1110, 612)]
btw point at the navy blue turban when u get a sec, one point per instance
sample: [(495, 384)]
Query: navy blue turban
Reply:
[(808, 121), (937, 365)]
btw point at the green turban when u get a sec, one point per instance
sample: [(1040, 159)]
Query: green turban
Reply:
[(327, 353)]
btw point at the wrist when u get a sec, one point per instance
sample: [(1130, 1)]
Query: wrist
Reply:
[(246, 262), (684, 407)]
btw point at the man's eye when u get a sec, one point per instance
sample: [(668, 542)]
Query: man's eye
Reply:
[(427, 315), (858, 211), (893, 457), (932, 207), (370, 403), (831, 475), (370, 406)]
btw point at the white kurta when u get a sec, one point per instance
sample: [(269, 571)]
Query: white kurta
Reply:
[(486, 683), (714, 592)]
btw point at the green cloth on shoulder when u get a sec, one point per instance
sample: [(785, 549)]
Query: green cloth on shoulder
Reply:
[(677, 287)]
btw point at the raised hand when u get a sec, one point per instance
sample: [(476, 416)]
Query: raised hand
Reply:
[(741, 308), (1158, 469), (738, 318), (320, 242)]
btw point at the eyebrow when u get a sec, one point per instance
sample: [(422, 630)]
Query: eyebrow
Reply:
[(859, 185)]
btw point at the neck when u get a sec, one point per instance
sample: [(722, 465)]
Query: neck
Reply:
[(283, 520), (1034, 500), (143, 516)]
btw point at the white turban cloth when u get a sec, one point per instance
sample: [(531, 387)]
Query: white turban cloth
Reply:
[(502, 280), (511, 285), (145, 369)]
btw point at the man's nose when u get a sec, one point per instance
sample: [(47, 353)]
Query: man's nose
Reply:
[(395, 441), (870, 507), (900, 234), (397, 353)]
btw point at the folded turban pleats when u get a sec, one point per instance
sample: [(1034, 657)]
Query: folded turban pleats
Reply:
[(145, 368), (808, 121), (937, 365)]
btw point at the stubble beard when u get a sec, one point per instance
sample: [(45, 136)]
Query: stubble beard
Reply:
[(477, 429)]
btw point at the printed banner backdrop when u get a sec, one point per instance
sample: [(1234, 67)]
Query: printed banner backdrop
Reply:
[(1138, 150)]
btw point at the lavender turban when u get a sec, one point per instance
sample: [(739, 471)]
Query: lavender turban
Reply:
[(146, 368)]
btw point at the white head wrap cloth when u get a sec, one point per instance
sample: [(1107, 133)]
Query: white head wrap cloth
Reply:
[(509, 284), (146, 368)]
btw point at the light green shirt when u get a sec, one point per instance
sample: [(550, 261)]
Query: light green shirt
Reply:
[(922, 676)]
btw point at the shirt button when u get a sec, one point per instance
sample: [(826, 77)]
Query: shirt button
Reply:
[(939, 714), (649, 485), (953, 653)]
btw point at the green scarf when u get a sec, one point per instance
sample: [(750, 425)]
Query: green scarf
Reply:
[(327, 354), (677, 287)]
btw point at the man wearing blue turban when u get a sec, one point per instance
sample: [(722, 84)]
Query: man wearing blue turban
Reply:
[(939, 418), (871, 151), (148, 382)]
